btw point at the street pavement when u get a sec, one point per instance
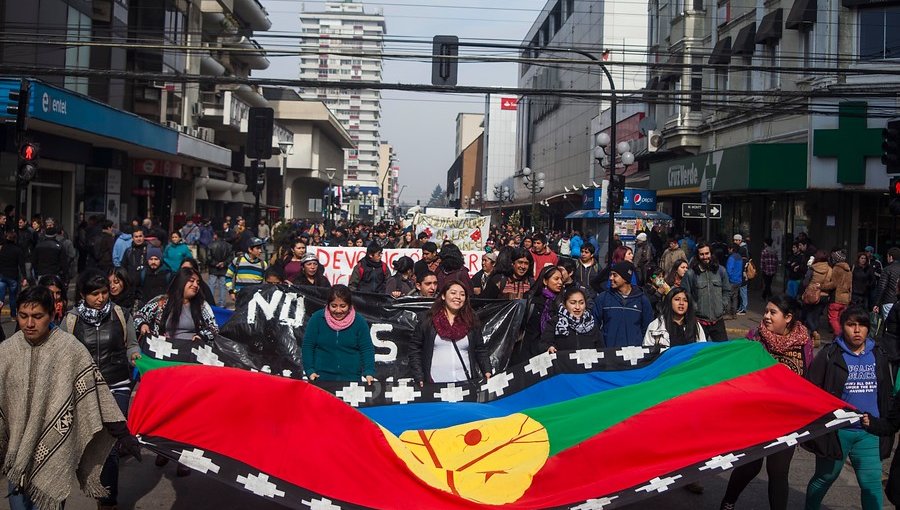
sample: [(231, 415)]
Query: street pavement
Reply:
[(143, 486)]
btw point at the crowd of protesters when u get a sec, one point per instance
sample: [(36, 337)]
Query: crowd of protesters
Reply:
[(665, 290)]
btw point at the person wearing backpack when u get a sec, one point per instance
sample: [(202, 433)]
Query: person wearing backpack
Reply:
[(246, 269), (815, 295), (370, 274), (49, 258), (108, 333)]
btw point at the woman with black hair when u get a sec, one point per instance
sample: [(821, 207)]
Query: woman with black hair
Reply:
[(181, 313), (511, 278), (574, 326), (121, 289), (58, 289), (448, 345), (541, 309), (402, 282), (337, 345), (107, 331), (204, 287), (677, 324), (679, 269), (786, 338)]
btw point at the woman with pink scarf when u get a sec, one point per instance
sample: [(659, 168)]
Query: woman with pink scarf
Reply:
[(337, 345)]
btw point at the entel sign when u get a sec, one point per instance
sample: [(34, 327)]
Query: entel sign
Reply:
[(53, 105)]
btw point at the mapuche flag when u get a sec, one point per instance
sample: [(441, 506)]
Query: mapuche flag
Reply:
[(581, 429)]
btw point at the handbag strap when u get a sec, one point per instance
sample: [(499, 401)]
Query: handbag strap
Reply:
[(459, 355)]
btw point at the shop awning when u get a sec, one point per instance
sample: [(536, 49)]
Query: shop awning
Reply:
[(588, 214), (721, 54), (770, 28), (802, 15), (745, 42)]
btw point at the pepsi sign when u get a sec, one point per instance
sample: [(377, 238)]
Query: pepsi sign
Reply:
[(639, 199)]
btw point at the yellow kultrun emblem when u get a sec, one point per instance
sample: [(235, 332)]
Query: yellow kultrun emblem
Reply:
[(488, 461)]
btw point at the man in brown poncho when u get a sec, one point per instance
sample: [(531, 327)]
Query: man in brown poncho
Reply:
[(58, 420)]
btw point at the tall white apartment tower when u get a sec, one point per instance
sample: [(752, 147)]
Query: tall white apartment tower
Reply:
[(344, 43)]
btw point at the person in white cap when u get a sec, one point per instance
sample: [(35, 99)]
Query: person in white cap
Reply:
[(643, 257)]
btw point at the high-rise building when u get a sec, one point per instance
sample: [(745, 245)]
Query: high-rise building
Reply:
[(344, 43), (469, 126)]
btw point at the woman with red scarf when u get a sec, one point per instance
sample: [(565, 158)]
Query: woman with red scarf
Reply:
[(337, 345), (786, 338), (447, 345)]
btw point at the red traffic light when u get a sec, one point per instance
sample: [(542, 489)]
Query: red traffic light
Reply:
[(895, 187), (28, 152)]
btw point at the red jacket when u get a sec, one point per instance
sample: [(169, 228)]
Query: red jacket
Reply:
[(548, 258)]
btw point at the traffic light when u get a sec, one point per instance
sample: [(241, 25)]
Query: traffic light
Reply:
[(895, 187), (890, 146), (29, 153), (260, 128), (444, 70), (18, 106), (260, 179), (616, 195)]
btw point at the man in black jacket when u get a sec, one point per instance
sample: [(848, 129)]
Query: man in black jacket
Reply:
[(49, 257), (134, 261), (886, 291), (100, 247)]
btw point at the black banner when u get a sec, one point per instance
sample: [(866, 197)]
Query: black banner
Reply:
[(267, 328)]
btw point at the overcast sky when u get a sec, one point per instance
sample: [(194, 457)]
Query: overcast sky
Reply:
[(422, 127)]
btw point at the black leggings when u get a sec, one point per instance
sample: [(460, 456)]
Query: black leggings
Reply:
[(778, 465)]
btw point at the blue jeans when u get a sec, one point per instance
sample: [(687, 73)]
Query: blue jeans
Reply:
[(109, 476), (21, 501), (217, 286), (11, 286), (862, 448), (745, 301)]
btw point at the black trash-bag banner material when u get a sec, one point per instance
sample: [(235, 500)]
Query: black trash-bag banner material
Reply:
[(265, 333)]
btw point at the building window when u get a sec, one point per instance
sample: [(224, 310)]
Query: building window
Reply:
[(806, 42), (653, 20), (878, 35), (673, 102), (78, 57), (696, 102)]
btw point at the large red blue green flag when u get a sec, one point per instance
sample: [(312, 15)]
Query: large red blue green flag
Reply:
[(585, 429)]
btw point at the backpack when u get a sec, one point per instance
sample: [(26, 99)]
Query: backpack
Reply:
[(749, 270), (811, 295), (363, 268), (71, 319)]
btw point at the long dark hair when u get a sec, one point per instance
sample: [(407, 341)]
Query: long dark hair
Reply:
[(788, 306), (670, 278), (466, 313), (690, 320), (175, 297), (122, 276), (49, 280), (540, 284)]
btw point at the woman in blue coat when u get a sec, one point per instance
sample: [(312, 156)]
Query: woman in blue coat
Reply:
[(175, 253)]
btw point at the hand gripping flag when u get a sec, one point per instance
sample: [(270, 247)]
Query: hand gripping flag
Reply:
[(584, 429)]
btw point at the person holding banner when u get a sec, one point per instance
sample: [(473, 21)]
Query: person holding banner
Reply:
[(511, 278), (447, 345), (292, 262), (337, 345)]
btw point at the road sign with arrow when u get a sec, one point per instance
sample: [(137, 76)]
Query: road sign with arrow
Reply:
[(693, 210)]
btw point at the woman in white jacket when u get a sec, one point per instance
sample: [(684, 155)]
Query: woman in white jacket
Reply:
[(677, 324)]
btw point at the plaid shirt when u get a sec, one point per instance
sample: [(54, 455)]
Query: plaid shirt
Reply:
[(768, 262)]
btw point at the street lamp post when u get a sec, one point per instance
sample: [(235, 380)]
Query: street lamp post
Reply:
[(534, 183), (478, 198), (622, 152), (502, 194)]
